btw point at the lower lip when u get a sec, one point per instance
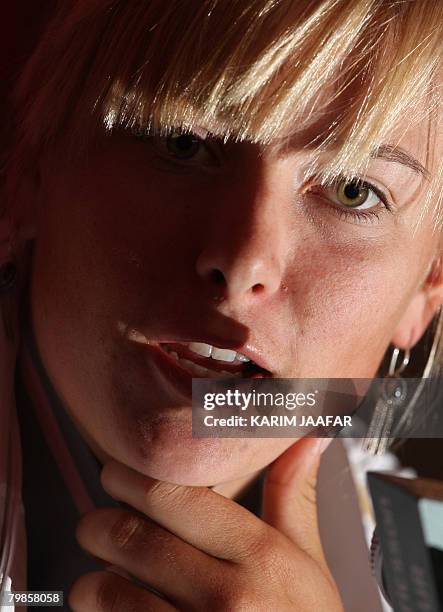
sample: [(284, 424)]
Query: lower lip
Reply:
[(180, 378), (172, 374)]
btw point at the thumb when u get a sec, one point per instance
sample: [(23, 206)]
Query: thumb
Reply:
[(289, 496)]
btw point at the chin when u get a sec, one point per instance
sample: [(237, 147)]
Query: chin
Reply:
[(169, 453)]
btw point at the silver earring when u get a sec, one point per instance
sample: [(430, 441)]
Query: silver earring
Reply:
[(393, 393)]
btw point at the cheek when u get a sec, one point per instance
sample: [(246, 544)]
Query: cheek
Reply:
[(98, 238), (106, 252), (346, 302)]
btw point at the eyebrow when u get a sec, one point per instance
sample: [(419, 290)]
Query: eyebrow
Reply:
[(395, 154)]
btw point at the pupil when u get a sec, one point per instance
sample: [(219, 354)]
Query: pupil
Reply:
[(184, 143), (183, 146), (352, 191)]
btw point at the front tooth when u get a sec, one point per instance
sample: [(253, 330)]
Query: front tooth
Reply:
[(242, 358), (200, 348), (223, 354)]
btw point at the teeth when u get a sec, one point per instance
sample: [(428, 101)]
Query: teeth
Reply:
[(194, 368), (223, 354), (207, 350), (200, 348)]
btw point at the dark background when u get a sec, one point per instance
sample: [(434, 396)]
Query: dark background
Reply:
[(21, 23)]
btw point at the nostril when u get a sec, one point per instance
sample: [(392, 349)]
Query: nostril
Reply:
[(217, 277), (258, 288)]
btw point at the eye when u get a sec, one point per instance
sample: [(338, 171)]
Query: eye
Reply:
[(186, 149), (355, 194), (352, 199), (183, 146)]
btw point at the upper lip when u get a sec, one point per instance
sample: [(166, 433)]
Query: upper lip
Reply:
[(250, 350)]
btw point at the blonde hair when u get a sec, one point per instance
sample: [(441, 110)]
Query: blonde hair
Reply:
[(255, 70)]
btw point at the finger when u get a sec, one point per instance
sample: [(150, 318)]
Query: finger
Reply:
[(212, 523), (109, 592), (149, 553), (289, 495)]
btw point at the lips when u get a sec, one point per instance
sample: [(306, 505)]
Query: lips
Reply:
[(202, 360), (203, 357)]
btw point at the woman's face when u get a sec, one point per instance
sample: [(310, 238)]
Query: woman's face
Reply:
[(178, 241)]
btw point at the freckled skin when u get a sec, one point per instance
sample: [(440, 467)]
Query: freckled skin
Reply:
[(127, 237)]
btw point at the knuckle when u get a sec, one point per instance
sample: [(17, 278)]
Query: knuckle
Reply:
[(163, 492), (222, 597), (241, 599), (229, 589), (267, 557), (126, 531), (259, 544)]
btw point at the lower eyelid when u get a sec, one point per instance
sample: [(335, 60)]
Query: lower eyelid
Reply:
[(355, 215), (364, 216)]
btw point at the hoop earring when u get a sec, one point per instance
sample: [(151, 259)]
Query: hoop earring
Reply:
[(393, 394)]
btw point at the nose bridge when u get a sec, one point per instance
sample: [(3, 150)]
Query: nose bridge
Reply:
[(243, 250)]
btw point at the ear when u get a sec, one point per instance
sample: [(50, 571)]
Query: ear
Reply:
[(421, 309)]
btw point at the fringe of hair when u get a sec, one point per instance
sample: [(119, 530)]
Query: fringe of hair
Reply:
[(259, 70)]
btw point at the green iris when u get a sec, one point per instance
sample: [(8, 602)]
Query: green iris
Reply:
[(352, 193)]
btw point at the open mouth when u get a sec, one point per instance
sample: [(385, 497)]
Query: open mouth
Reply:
[(203, 360)]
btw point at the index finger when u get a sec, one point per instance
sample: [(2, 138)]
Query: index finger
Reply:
[(207, 520)]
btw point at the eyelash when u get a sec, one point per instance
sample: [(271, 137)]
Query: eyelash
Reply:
[(355, 215), (362, 216), (209, 147)]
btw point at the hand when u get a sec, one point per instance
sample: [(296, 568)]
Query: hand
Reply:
[(201, 551)]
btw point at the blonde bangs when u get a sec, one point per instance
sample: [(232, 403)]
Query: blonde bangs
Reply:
[(341, 73)]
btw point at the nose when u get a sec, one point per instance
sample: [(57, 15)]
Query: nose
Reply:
[(243, 257)]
